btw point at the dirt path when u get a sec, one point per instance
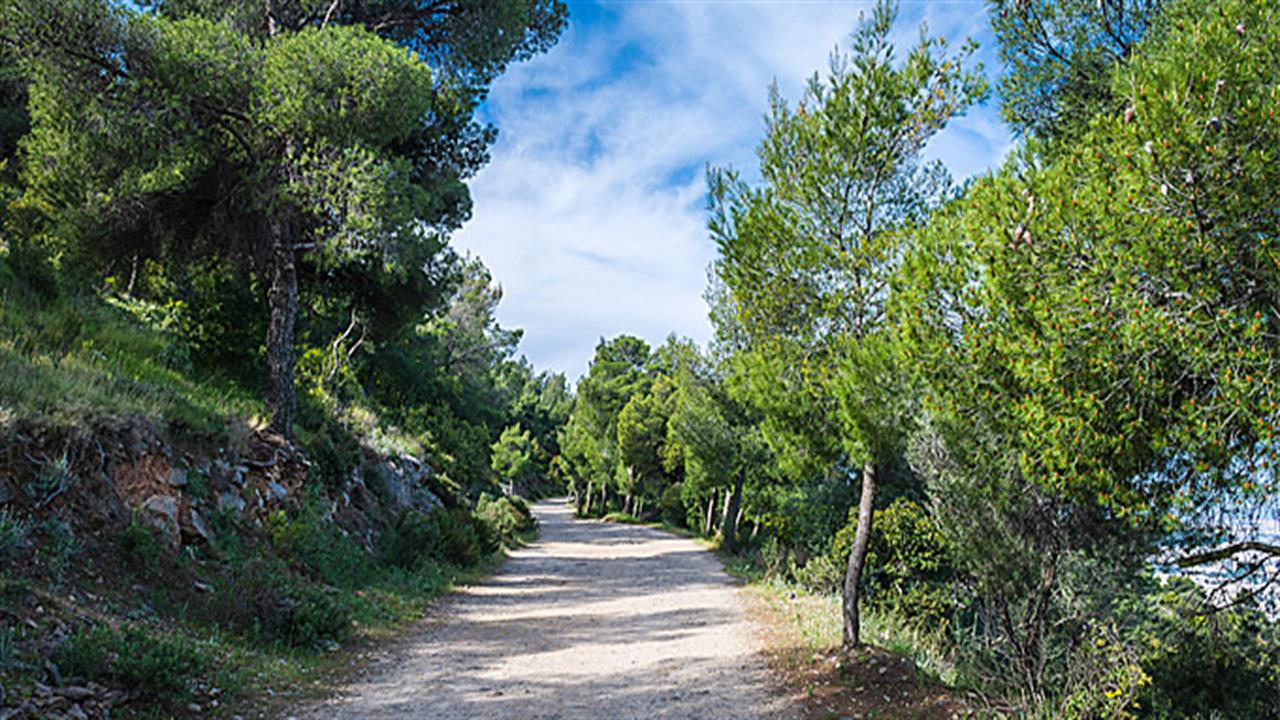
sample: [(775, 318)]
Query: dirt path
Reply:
[(593, 620)]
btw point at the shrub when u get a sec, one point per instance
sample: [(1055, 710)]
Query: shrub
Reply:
[(58, 544), (320, 547), (671, 507), (509, 518), (140, 546), (1204, 664), (465, 538), (453, 536), (269, 603), (137, 658), (909, 565), (13, 533), (415, 539)]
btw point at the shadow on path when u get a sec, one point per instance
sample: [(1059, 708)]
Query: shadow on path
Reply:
[(592, 620)]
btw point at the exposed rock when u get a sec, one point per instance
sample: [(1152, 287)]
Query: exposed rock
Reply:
[(404, 477), (178, 477), (231, 501), (197, 528), (161, 512), (277, 492)]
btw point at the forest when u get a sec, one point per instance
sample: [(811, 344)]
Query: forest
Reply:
[(257, 410)]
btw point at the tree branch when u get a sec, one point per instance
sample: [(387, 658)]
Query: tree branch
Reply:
[(1226, 552)]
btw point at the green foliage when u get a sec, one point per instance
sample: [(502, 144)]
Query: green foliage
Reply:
[(1058, 56), (808, 255), (13, 533), (512, 455), (57, 544), (453, 536), (508, 517), (1111, 300), (1224, 663), (140, 547), (136, 657), (321, 548), (267, 602), (910, 571)]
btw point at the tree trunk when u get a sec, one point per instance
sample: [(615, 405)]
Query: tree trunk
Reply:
[(858, 556), (729, 524), (579, 499), (282, 302), (586, 494), (711, 508)]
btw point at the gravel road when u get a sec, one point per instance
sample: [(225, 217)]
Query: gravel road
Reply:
[(593, 620)]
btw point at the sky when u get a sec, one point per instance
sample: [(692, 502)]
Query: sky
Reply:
[(591, 213)]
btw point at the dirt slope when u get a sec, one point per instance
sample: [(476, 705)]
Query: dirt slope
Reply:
[(593, 620)]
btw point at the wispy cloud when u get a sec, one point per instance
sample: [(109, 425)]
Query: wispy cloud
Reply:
[(592, 212)]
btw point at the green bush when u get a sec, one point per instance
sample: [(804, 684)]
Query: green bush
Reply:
[(671, 507), (414, 541), (321, 549), (508, 518), (465, 538), (136, 658), (909, 568), (1204, 664), (267, 602), (140, 546), (453, 536)]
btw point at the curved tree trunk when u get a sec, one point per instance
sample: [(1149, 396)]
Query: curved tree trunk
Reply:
[(282, 302), (858, 556)]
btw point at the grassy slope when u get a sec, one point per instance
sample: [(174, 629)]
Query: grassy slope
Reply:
[(65, 363)]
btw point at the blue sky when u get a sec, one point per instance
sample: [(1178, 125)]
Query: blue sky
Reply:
[(591, 213)]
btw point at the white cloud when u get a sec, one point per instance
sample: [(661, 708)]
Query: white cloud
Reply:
[(591, 213)]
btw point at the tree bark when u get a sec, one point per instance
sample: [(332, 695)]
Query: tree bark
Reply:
[(729, 524), (711, 507), (282, 303), (858, 556)]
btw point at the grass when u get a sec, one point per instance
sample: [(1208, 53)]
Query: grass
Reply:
[(817, 621), (69, 360), (172, 652)]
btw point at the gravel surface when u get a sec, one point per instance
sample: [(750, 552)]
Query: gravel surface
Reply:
[(593, 620)]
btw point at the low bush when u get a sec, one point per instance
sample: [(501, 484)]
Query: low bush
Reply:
[(1223, 663), (909, 566), (509, 518), (140, 547), (454, 536), (671, 508), (137, 658), (321, 549), (267, 602)]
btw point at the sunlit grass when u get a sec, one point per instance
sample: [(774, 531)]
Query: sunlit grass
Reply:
[(815, 622)]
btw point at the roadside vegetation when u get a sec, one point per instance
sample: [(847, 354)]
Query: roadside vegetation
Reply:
[(1020, 431), (255, 413)]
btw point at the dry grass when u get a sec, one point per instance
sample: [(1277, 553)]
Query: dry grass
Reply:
[(802, 633)]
